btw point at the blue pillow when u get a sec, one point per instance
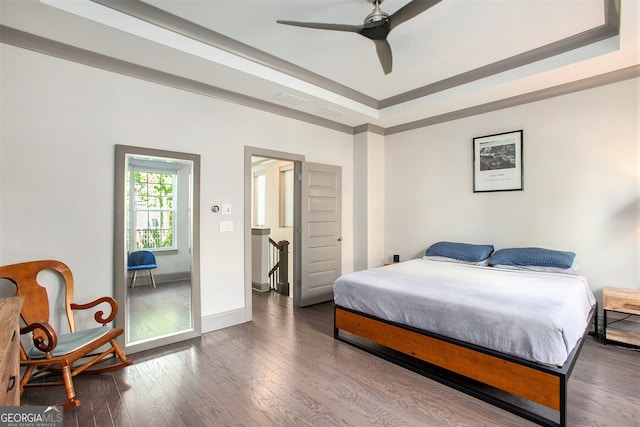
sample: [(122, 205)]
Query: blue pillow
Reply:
[(461, 251), (533, 256)]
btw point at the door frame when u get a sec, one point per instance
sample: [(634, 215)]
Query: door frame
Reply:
[(297, 160)]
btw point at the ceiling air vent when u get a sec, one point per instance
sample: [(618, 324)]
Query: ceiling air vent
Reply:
[(287, 98)]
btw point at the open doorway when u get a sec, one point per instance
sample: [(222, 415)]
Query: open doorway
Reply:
[(315, 250), (257, 159), (272, 220)]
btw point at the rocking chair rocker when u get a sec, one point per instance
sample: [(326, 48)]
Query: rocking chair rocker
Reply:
[(53, 352)]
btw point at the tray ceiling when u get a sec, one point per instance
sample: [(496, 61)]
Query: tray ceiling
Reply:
[(458, 57)]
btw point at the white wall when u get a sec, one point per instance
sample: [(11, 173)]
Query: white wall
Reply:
[(376, 200), (360, 202), (369, 196), (581, 183), (60, 122)]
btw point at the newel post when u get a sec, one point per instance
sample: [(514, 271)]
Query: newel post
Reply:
[(283, 283)]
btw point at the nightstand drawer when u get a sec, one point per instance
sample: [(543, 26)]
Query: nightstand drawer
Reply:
[(10, 351), (10, 377)]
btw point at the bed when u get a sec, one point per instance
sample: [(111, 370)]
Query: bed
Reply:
[(515, 332)]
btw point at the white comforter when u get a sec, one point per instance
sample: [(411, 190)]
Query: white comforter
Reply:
[(531, 315)]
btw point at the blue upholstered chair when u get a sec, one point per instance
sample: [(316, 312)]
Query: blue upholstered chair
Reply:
[(141, 260)]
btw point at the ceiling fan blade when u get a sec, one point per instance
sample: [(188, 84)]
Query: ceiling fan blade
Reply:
[(384, 55), (410, 10), (319, 26)]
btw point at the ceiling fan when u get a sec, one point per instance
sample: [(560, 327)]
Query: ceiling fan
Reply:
[(376, 27)]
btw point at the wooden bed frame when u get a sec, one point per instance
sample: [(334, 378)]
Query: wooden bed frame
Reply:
[(542, 384)]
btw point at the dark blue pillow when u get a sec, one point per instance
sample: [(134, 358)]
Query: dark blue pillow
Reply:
[(461, 251), (533, 256)]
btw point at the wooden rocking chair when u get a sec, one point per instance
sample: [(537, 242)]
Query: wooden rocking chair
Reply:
[(54, 352)]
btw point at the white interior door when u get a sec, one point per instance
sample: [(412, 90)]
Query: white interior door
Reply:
[(321, 228)]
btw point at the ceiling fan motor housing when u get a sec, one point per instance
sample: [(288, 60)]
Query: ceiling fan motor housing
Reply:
[(378, 30)]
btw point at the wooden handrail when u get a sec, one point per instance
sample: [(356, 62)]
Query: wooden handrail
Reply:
[(274, 243), (279, 272)]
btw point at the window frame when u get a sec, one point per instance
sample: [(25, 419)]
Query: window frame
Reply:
[(260, 198), (133, 209), (286, 175)]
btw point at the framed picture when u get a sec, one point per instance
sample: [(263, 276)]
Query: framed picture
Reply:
[(497, 162)]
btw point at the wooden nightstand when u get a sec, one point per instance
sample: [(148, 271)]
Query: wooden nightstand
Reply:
[(623, 329)]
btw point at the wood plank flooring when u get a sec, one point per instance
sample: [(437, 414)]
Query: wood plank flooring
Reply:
[(286, 369)]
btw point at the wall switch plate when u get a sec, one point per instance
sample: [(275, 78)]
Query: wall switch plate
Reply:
[(226, 226)]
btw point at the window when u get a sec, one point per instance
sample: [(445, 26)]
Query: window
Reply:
[(286, 196), (153, 209), (260, 190)]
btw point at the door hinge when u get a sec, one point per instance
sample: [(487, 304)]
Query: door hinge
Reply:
[(300, 177)]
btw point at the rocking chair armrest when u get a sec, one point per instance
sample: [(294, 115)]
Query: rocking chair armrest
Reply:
[(47, 344), (98, 316)]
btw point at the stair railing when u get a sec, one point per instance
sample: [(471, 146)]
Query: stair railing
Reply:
[(279, 266)]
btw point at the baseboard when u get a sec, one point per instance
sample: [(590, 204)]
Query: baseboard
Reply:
[(172, 277), (260, 287), (224, 320)]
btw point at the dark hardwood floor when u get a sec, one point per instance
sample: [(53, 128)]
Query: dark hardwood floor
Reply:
[(285, 368)]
